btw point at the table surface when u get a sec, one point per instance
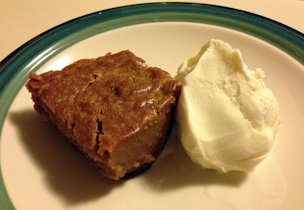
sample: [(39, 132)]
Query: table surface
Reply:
[(22, 20)]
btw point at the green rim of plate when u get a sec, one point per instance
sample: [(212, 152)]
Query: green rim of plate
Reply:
[(33, 54)]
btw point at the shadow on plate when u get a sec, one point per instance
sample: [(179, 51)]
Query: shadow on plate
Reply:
[(66, 172), (174, 169)]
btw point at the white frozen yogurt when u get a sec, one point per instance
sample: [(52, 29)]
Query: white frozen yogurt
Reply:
[(227, 117)]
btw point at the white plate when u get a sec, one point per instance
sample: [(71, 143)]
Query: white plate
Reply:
[(40, 170)]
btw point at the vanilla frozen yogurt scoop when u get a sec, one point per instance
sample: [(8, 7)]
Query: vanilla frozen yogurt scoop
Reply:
[(227, 117)]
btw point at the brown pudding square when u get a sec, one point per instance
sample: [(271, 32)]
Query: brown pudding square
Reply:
[(114, 108)]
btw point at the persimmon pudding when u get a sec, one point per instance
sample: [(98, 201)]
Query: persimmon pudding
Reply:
[(114, 108)]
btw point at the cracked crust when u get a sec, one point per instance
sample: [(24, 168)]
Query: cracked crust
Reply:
[(114, 108)]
